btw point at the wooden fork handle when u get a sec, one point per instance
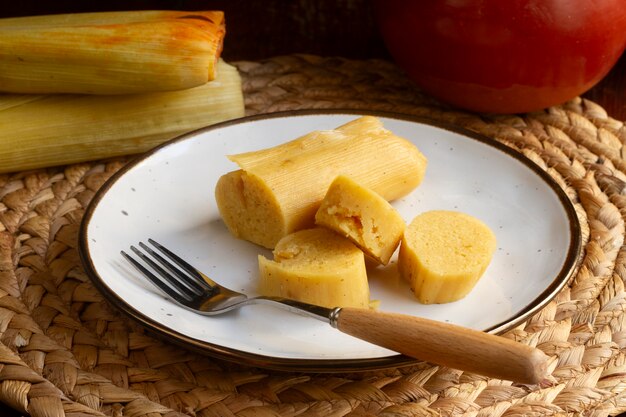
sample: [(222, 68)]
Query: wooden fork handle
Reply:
[(446, 344)]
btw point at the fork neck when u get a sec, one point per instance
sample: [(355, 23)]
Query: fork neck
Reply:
[(325, 314)]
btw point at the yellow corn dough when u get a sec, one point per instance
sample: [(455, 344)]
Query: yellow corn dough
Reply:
[(362, 216), (443, 254), (316, 266)]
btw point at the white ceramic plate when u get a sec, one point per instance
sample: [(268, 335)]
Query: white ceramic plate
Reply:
[(168, 195)]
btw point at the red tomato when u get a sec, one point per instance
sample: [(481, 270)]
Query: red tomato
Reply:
[(504, 56)]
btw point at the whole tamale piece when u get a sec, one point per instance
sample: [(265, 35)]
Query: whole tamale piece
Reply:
[(110, 52), (279, 189), (56, 129)]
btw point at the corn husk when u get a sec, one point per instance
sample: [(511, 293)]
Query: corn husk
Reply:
[(110, 52), (45, 130)]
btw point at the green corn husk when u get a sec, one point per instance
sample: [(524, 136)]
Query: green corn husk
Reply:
[(46, 130)]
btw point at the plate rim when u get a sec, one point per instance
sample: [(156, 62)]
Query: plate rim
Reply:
[(569, 267)]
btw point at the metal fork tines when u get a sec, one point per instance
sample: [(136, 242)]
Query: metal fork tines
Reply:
[(181, 281), (193, 290)]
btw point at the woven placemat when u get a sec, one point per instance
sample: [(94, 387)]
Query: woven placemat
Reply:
[(65, 352)]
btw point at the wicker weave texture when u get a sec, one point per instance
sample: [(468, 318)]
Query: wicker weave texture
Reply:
[(64, 351)]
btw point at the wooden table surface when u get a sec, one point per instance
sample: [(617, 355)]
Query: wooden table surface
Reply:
[(342, 34)]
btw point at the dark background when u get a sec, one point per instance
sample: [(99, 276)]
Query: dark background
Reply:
[(258, 29)]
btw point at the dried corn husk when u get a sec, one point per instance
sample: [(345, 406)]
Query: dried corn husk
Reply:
[(45, 130), (110, 52)]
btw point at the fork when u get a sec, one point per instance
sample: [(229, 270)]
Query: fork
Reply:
[(424, 339)]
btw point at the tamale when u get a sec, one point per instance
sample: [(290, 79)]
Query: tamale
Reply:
[(110, 52), (278, 190), (45, 130)]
